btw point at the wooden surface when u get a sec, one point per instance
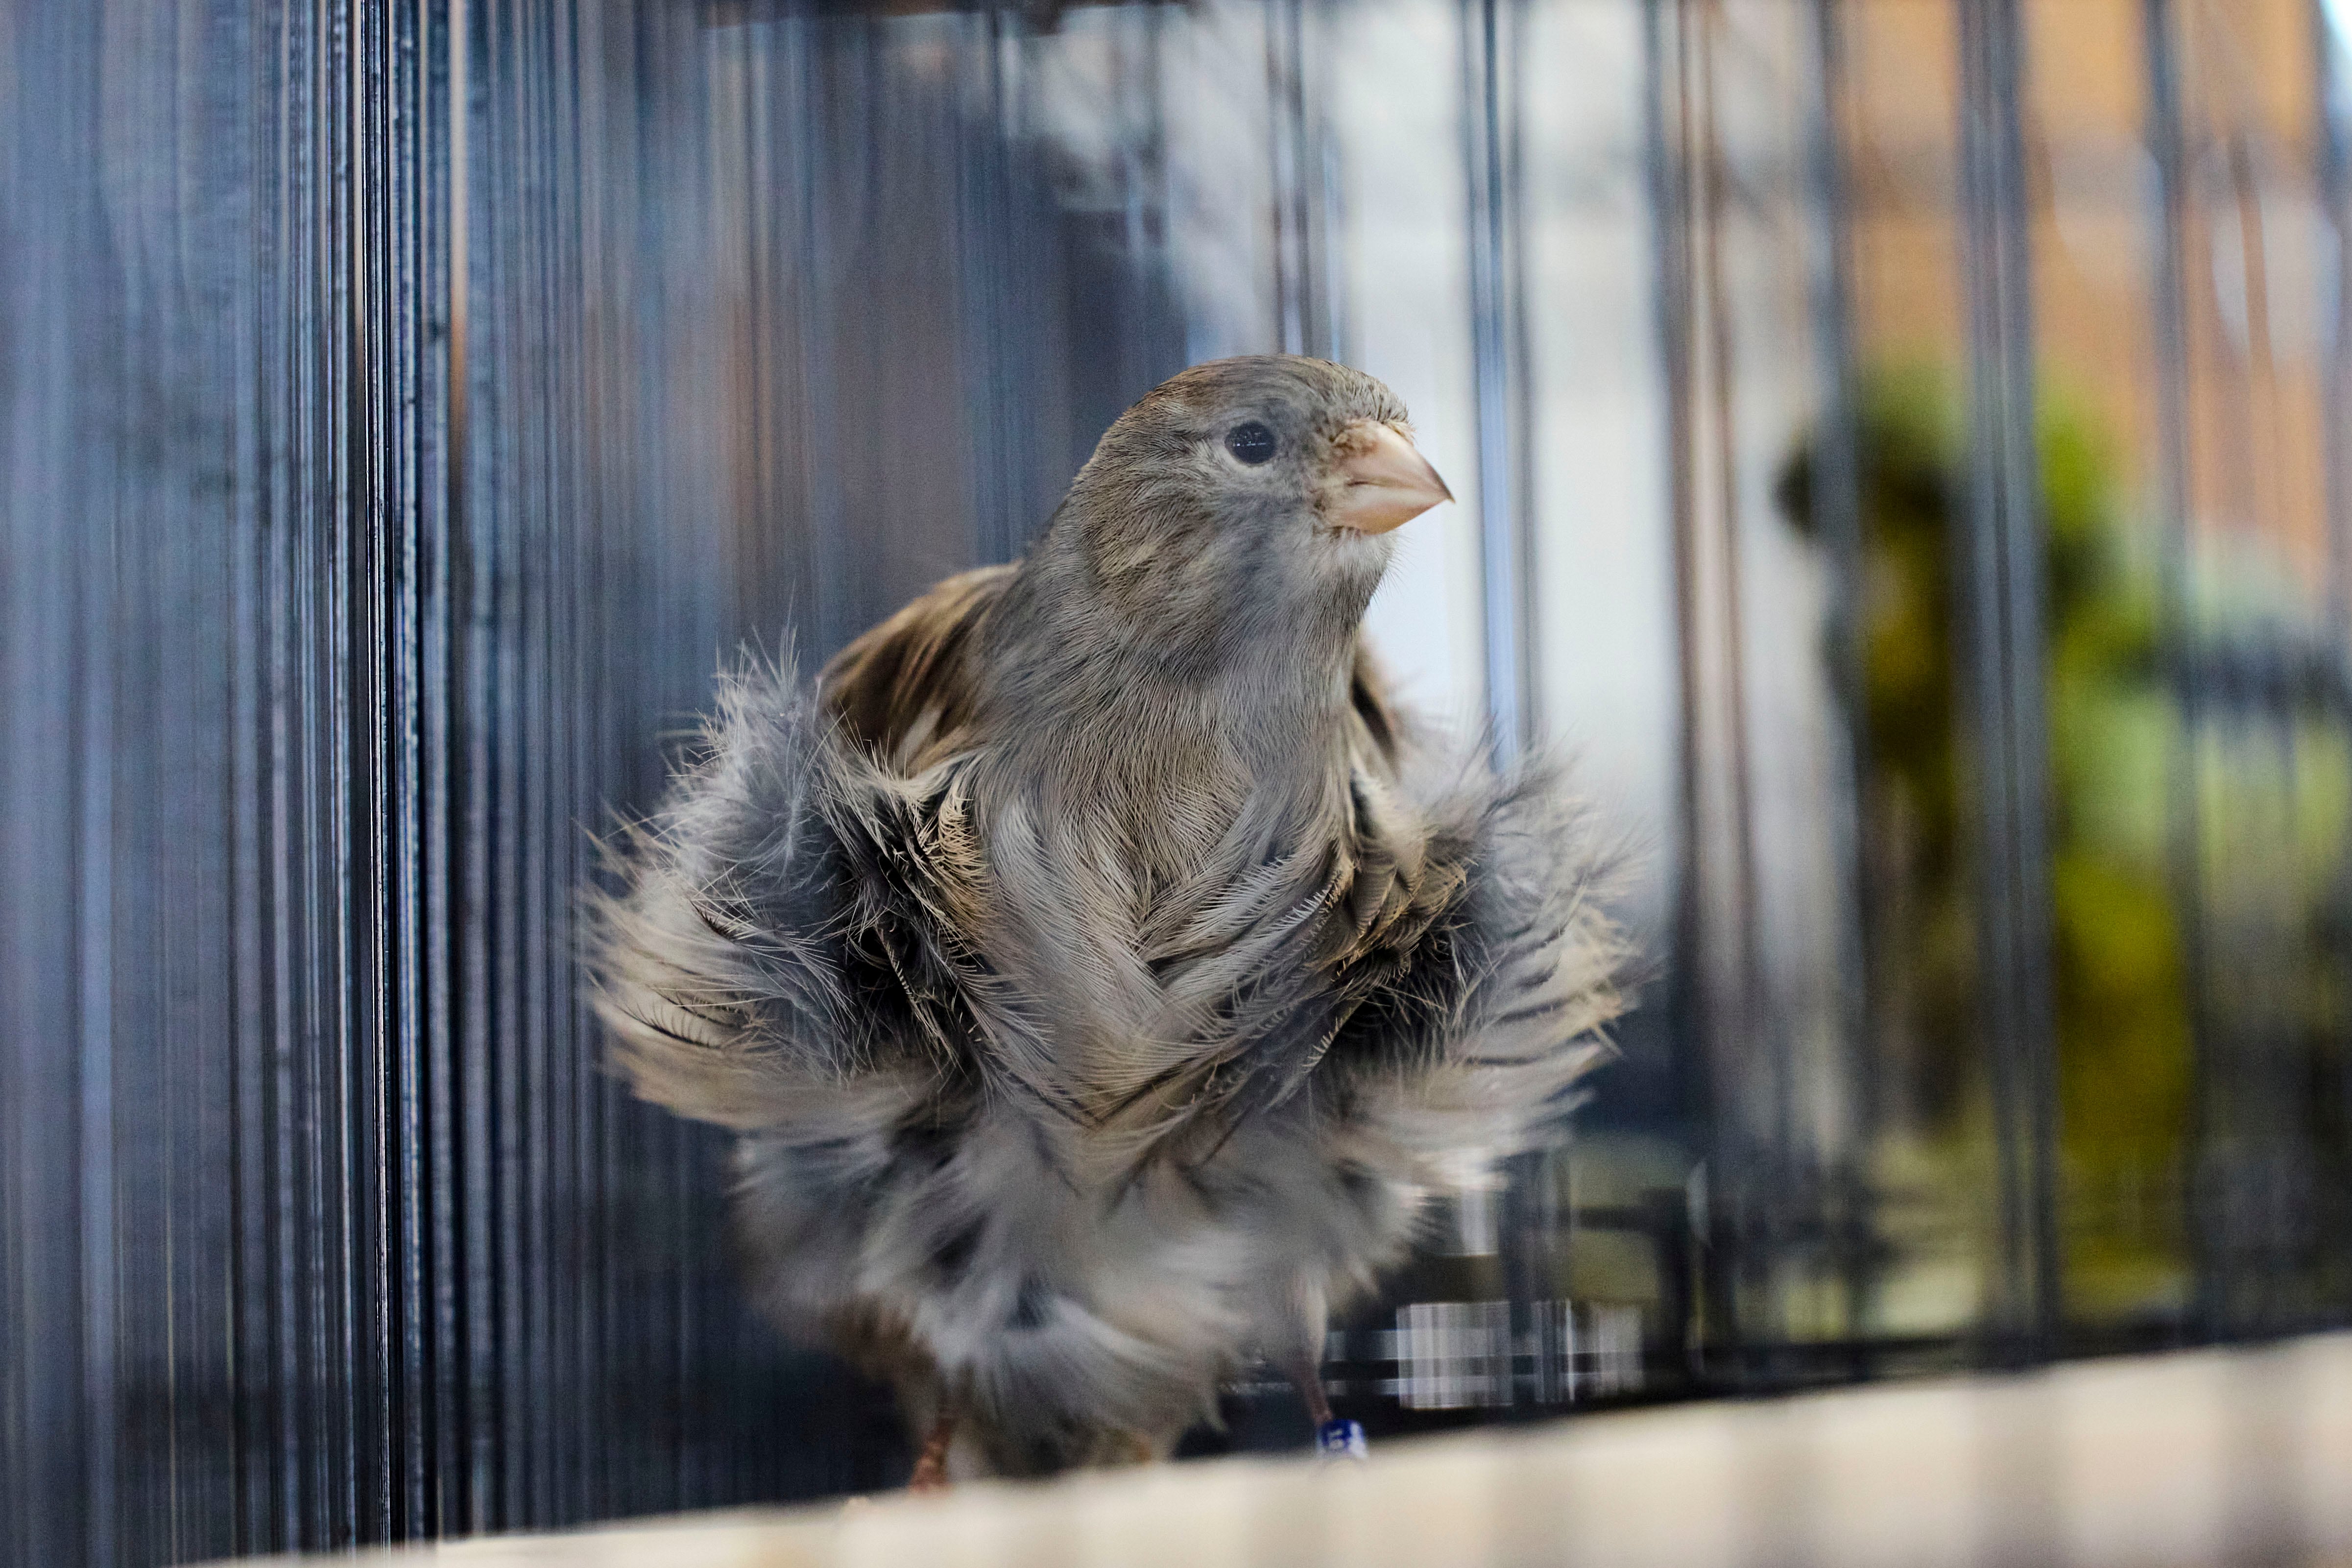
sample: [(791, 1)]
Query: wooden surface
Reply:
[(2210, 1457)]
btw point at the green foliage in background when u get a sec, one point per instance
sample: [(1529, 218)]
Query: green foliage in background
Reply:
[(2122, 1011)]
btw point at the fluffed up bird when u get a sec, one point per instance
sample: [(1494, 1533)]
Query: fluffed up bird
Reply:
[(1098, 971)]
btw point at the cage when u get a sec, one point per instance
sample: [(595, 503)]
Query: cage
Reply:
[(1900, 450)]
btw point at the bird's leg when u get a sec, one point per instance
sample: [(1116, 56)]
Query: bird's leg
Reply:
[(1335, 1438), (1299, 1353), (932, 1464), (1310, 1389)]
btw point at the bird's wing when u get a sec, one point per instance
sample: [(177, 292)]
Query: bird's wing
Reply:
[(1475, 967), (905, 689), (1441, 966), (1474, 1002), (790, 953), (776, 941), (777, 953), (1455, 983), (770, 958)]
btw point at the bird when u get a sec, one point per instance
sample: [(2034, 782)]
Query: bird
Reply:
[(1100, 972)]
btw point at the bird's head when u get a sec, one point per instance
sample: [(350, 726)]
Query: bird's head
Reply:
[(1247, 499)]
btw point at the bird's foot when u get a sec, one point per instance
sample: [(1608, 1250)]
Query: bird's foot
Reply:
[(931, 1477), (1338, 1438)]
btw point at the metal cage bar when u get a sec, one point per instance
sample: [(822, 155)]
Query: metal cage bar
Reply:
[(2003, 635)]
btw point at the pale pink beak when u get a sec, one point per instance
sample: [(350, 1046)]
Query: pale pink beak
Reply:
[(1381, 482)]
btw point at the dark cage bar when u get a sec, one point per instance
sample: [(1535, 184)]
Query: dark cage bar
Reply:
[(1901, 451)]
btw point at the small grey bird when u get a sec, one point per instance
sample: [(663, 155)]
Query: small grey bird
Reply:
[(1098, 971)]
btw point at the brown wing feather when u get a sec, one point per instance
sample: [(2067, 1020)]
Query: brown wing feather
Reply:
[(905, 689), (1368, 693)]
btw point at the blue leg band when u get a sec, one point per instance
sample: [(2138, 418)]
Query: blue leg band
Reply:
[(1339, 1439)]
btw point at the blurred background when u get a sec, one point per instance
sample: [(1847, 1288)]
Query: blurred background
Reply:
[(1901, 451)]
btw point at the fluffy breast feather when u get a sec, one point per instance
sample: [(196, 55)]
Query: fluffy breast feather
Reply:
[(1088, 1220)]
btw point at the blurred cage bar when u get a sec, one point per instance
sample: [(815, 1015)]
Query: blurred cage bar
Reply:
[(1901, 445)]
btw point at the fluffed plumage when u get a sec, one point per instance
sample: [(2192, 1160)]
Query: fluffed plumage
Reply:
[(1098, 971)]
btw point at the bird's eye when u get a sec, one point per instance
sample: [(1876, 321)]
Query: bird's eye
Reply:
[(1250, 441)]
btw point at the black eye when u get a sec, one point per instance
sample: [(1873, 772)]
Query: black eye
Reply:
[(1250, 441)]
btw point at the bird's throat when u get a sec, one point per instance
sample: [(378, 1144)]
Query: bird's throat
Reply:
[(1157, 781), (1168, 758)]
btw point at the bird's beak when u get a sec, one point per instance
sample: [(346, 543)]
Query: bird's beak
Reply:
[(1381, 482)]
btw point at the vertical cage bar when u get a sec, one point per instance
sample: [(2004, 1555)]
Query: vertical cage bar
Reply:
[(984, 195), (1490, 136), (814, 260), (1692, 1011), (449, 105), (1528, 1231), (1299, 323), (1310, 278), (1837, 502), (1719, 1016), (2184, 848), (260, 1489), (43, 1417), (476, 1032), (1760, 1172), (2003, 633), (92, 772), (2333, 68)]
